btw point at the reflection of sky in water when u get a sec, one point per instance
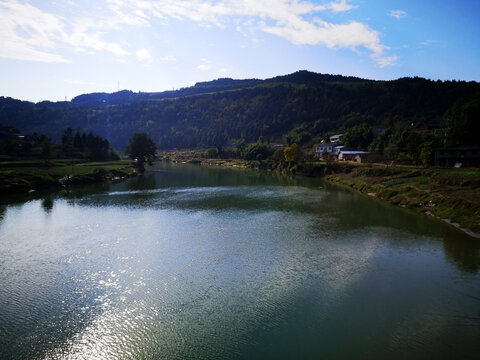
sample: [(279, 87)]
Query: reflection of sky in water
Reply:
[(226, 272)]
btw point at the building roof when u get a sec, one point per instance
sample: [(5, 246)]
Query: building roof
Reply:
[(326, 144), (352, 152)]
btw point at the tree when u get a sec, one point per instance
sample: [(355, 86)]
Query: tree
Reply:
[(463, 123), (426, 153), (46, 148), (297, 136), (211, 153), (359, 136), (142, 149), (67, 136), (256, 151), (292, 153)]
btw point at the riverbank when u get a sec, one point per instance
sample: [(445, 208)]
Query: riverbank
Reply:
[(450, 195), (29, 176)]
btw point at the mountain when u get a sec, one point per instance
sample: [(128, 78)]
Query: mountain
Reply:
[(225, 110)]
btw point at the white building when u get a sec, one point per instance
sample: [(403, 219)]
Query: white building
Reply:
[(322, 147), (336, 138), (349, 155)]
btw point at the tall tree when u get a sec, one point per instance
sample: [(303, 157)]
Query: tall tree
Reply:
[(142, 149), (292, 153)]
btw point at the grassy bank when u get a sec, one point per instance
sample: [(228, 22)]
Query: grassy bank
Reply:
[(25, 176), (452, 195)]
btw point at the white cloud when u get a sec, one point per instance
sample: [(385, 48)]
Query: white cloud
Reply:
[(337, 6), (384, 61), (428, 43), (169, 58), (29, 33), (295, 20), (203, 67), (26, 33), (398, 14), (205, 64), (144, 55)]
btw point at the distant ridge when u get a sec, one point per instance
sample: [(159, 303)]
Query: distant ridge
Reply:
[(222, 84), (225, 111)]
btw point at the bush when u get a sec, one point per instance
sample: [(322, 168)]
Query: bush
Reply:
[(256, 151), (211, 153)]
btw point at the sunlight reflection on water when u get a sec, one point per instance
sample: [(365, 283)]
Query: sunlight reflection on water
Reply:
[(221, 271)]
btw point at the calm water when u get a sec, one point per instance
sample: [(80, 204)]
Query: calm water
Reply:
[(190, 262)]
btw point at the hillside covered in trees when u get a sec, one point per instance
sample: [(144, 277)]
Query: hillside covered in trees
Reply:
[(226, 111)]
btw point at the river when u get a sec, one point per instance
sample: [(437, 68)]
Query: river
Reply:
[(195, 262)]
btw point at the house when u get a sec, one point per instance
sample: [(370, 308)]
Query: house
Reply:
[(336, 138), (349, 155), (322, 147), (337, 149)]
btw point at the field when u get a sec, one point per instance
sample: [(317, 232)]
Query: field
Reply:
[(25, 176)]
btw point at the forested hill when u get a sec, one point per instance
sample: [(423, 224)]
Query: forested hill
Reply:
[(223, 111)]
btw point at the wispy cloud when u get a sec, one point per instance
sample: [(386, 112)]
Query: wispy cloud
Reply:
[(295, 20), (384, 61), (205, 65), (336, 6), (29, 33), (144, 55), (428, 42), (398, 14), (169, 58)]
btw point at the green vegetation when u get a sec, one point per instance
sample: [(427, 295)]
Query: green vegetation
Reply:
[(142, 149), (33, 162), (25, 176), (452, 194), (292, 153), (248, 122), (408, 117)]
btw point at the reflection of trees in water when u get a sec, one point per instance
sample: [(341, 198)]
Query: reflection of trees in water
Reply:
[(187, 175), (360, 212), (465, 254), (3, 208), (143, 182), (47, 205), (79, 192)]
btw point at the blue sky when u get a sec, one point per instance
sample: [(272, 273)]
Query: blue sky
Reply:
[(50, 50)]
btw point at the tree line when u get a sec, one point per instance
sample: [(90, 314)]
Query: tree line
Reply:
[(79, 145), (389, 116)]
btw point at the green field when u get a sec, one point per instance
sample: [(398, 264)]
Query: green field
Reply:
[(28, 175)]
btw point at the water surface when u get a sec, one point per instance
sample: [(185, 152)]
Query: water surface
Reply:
[(191, 262)]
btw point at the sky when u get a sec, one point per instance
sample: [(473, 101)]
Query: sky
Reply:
[(56, 50)]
